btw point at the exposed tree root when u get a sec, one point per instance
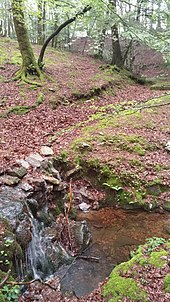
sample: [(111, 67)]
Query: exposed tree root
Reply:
[(22, 75)]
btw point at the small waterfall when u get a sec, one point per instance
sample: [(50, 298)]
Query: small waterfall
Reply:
[(35, 254)]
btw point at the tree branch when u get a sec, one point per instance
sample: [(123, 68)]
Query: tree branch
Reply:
[(5, 278), (63, 25), (30, 282)]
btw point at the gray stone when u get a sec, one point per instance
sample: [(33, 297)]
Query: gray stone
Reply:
[(84, 206), (10, 207), (71, 172), (19, 172), (9, 180), (26, 187), (45, 150), (23, 163), (82, 234), (167, 146), (23, 233), (34, 160), (51, 180), (55, 173)]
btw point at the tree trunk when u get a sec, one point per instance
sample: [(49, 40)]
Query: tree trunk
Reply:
[(29, 65), (63, 25), (116, 50)]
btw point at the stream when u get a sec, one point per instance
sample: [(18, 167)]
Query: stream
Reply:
[(114, 234)]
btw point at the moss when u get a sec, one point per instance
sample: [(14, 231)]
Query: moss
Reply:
[(155, 258), (21, 110), (167, 283), (138, 150), (136, 162), (118, 288), (16, 58), (161, 86), (40, 99)]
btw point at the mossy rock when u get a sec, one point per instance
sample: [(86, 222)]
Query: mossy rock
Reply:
[(167, 283), (155, 258), (161, 86), (124, 281), (166, 206), (118, 287)]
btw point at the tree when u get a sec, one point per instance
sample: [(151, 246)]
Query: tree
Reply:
[(29, 64), (63, 25), (116, 50)]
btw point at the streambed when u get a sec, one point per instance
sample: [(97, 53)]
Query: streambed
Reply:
[(115, 233)]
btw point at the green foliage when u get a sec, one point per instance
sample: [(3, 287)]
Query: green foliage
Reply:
[(62, 157), (153, 243), (10, 293)]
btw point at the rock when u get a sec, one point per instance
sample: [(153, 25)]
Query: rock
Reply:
[(44, 217), (84, 206), (166, 227), (23, 163), (46, 151), (26, 187), (54, 253), (82, 234), (166, 206), (23, 234), (167, 146), (33, 205), (55, 173), (9, 180), (51, 180), (10, 207), (19, 172), (71, 172), (61, 187), (34, 160)]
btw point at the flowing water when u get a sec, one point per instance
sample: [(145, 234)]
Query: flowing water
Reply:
[(115, 233)]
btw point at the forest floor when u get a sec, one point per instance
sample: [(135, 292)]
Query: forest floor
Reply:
[(83, 104)]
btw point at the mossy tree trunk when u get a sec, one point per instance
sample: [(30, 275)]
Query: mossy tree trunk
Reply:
[(29, 64), (116, 50)]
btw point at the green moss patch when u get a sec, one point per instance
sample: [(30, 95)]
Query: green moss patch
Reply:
[(167, 283), (21, 110), (119, 288), (128, 279)]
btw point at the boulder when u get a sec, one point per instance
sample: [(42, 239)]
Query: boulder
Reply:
[(19, 172), (9, 180), (10, 208), (46, 151), (34, 160)]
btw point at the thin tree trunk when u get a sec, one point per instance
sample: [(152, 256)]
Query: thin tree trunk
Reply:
[(116, 50), (63, 25)]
